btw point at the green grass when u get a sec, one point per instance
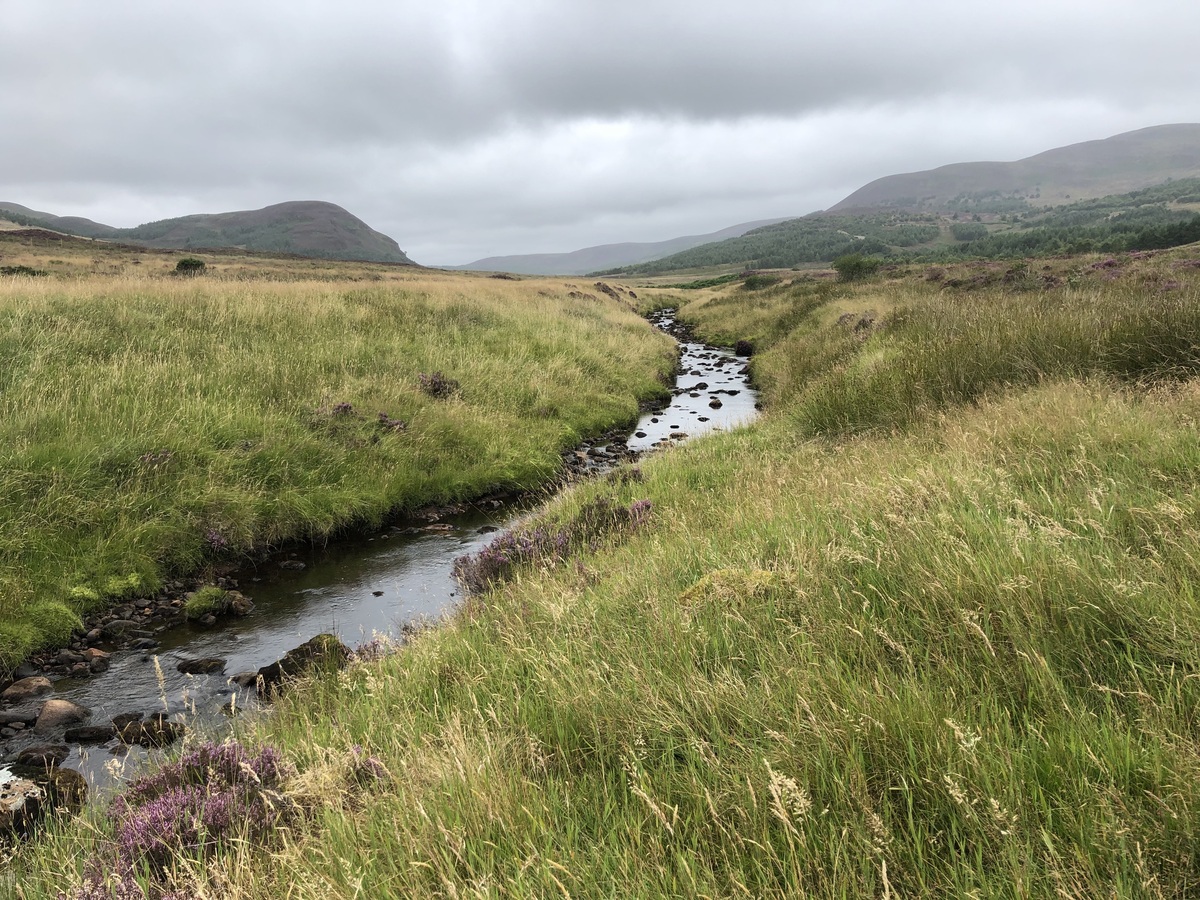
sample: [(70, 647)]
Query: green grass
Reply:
[(207, 600), (149, 426), (942, 642)]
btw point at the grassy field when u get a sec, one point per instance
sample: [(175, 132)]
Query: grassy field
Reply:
[(928, 628), (152, 425)]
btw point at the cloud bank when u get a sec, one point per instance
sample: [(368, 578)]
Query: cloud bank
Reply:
[(468, 129)]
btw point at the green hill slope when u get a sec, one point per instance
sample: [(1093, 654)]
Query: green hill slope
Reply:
[(23, 215), (306, 228), (1165, 215)]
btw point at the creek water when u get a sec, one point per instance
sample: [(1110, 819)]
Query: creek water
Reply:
[(356, 589), (712, 392)]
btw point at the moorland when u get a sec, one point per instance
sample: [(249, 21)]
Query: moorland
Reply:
[(927, 628), (154, 423)]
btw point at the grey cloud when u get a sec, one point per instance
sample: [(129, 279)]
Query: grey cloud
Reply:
[(473, 128)]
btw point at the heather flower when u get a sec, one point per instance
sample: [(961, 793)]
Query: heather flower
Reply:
[(387, 423), (542, 545), (639, 512), (365, 768), (378, 647), (211, 794), (437, 385)]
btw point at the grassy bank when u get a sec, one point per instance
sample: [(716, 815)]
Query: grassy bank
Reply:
[(941, 641), (152, 425)]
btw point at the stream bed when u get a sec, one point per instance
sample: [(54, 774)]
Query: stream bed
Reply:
[(357, 590)]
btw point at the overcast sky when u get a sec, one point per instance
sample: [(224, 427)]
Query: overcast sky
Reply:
[(466, 129)]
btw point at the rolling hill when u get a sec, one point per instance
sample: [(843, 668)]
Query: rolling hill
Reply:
[(76, 225), (310, 228), (604, 256), (1116, 165), (1135, 190)]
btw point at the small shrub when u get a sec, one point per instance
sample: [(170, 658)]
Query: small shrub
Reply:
[(189, 266), (123, 586), (56, 619), (388, 423), (212, 796), (547, 545), (438, 385), (758, 281), (856, 266)]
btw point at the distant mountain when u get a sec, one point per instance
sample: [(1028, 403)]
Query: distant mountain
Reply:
[(1137, 189), (310, 228), (604, 256), (1126, 162)]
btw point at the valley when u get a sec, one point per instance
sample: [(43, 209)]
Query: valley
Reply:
[(926, 626)]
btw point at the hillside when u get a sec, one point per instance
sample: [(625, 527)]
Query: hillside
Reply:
[(604, 256), (1165, 215), (310, 228), (23, 215), (1125, 162)]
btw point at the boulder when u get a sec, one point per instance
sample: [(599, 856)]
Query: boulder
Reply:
[(238, 604), (20, 716), (22, 801), (118, 627), (28, 794), (90, 734), (210, 666), (323, 652), (68, 657), (58, 713), (43, 755), (154, 732), (244, 679), (34, 686)]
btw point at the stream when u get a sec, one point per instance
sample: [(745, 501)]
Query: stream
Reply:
[(356, 589)]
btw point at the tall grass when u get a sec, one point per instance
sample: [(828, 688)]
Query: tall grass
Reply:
[(950, 651), (146, 423), (844, 359)]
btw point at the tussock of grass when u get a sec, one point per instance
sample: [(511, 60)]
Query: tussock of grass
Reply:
[(206, 601), (948, 649)]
